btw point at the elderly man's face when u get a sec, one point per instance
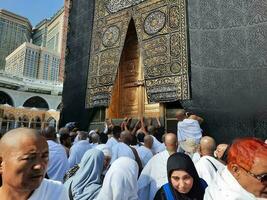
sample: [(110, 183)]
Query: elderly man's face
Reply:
[(249, 181), (24, 166)]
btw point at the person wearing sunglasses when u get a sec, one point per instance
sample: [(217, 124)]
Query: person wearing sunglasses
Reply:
[(245, 176)]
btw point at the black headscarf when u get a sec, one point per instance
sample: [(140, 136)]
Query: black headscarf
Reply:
[(181, 161)]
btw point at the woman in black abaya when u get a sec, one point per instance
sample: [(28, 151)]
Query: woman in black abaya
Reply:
[(183, 180)]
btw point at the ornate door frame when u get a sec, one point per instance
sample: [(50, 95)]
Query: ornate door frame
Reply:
[(162, 35)]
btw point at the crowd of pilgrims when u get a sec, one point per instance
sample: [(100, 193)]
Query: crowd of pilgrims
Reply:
[(131, 161)]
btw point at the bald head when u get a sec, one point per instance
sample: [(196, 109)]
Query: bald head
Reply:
[(23, 159), (148, 141), (171, 142), (207, 146), (126, 137), (16, 137)]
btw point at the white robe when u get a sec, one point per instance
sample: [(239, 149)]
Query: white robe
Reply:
[(77, 151), (226, 187), (153, 176), (120, 182), (50, 190), (93, 145), (189, 128), (111, 142), (196, 157), (206, 170), (120, 150), (157, 146), (105, 149), (58, 163), (145, 154)]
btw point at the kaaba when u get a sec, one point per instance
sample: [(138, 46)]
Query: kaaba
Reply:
[(150, 57)]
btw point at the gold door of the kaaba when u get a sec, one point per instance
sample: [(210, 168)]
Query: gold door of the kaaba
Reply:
[(138, 56), (129, 95)]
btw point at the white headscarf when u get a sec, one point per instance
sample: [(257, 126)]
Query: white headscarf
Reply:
[(121, 150), (120, 182), (105, 149), (86, 183), (189, 128)]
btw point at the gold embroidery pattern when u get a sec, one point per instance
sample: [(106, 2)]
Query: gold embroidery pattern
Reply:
[(162, 36)]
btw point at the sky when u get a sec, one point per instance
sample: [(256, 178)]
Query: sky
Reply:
[(34, 10)]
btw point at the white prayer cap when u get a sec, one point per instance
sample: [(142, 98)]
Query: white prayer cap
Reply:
[(105, 149)]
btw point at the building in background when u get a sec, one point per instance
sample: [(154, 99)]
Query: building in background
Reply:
[(11, 118), (48, 33), (31, 82), (40, 60), (14, 30), (39, 33), (28, 102), (64, 50), (33, 61), (23, 61), (48, 68), (55, 31)]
